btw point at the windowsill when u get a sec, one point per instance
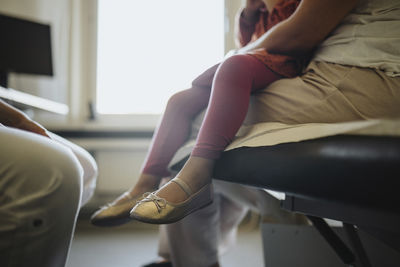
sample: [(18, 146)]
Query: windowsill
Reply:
[(102, 134), (110, 123)]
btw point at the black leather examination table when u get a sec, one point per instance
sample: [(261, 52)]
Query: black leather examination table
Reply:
[(348, 178)]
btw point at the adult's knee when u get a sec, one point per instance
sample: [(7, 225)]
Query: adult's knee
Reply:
[(38, 168), (60, 167), (88, 164), (69, 172)]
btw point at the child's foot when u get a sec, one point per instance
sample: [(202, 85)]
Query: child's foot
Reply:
[(117, 212), (196, 173), (158, 210), (180, 196)]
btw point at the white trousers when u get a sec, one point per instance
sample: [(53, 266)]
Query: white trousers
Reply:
[(41, 184), (200, 238)]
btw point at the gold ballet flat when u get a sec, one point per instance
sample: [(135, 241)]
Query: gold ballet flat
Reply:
[(156, 210), (115, 214)]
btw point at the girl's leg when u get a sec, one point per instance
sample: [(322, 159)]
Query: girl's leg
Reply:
[(175, 125), (170, 135), (234, 81), (237, 77), (173, 131)]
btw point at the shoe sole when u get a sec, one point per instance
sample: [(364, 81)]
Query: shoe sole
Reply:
[(111, 222)]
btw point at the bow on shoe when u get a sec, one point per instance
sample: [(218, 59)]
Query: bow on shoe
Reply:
[(160, 203)]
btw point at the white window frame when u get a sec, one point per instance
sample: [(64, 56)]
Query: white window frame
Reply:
[(83, 70)]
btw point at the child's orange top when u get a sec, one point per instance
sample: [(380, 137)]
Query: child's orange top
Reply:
[(284, 65)]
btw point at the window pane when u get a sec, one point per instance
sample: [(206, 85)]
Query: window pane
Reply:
[(147, 50)]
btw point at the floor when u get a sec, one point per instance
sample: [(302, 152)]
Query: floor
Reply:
[(134, 246)]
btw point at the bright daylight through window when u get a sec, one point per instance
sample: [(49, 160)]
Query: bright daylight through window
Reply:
[(147, 50)]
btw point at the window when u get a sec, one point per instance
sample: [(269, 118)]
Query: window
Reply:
[(147, 50)]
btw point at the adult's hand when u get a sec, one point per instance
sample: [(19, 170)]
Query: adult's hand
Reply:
[(305, 29), (12, 117), (29, 125)]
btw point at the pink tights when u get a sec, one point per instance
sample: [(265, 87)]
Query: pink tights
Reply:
[(226, 89)]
